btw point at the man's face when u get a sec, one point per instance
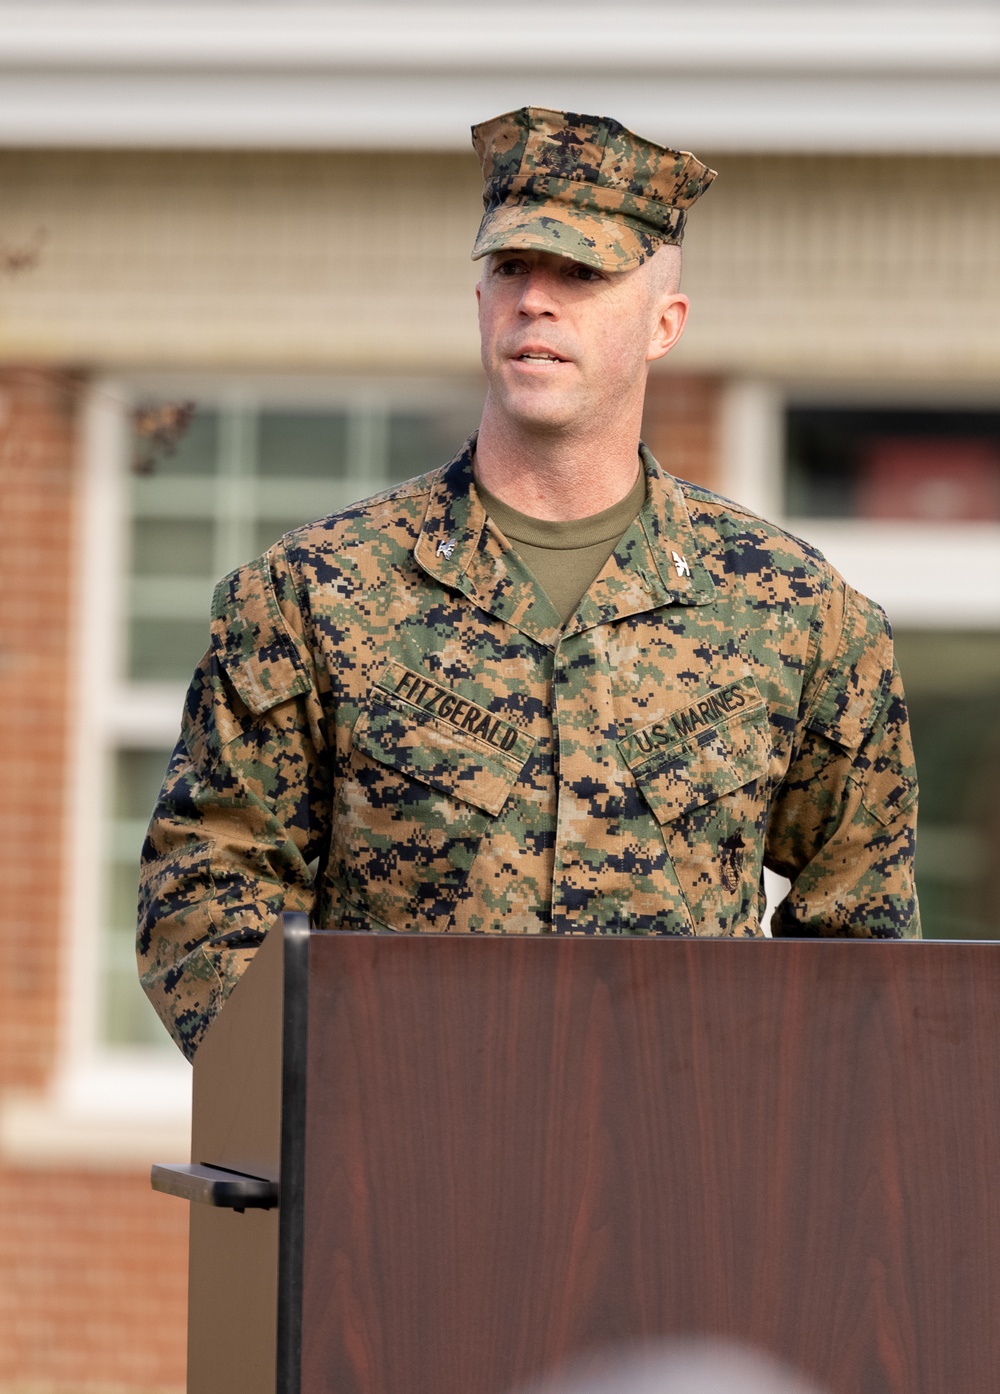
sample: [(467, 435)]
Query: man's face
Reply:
[(562, 341)]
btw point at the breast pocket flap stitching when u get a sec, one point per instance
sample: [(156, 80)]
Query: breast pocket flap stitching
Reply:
[(700, 770), (430, 751)]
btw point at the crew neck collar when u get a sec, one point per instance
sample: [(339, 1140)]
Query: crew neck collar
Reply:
[(657, 561), (571, 533)]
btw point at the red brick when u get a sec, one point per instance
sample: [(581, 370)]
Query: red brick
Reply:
[(38, 413), (681, 425), (92, 1266), (94, 1282)]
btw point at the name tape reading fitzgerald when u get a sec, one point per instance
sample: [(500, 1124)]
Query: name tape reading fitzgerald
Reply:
[(707, 712), (463, 715)]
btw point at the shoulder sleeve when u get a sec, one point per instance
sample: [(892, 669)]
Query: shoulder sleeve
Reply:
[(842, 825), (265, 661), (851, 687), (244, 810)]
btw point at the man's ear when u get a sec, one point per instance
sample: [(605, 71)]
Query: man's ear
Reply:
[(669, 326)]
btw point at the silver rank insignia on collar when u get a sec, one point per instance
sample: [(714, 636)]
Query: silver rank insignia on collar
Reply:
[(680, 564), (445, 547)]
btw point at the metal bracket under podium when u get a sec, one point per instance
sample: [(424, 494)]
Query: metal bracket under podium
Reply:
[(214, 1186)]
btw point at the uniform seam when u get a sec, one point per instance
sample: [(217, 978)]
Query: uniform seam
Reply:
[(720, 505), (835, 666), (858, 778), (508, 775), (387, 496), (280, 623), (346, 516), (282, 638), (710, 499), (840, 668), (301, 593)]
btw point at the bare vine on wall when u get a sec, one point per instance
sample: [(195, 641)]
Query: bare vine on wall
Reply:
[(16, 258), (158, 431)]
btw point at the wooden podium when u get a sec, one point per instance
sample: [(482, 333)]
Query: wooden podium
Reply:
[(498, 1153)]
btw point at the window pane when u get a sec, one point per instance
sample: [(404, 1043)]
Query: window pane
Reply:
[(906, 465), (170, 547), (952, 685), (302, 444), (128, 1017), (270, 529), (138, 777), (166, 449), (166, 650), (421, 441)]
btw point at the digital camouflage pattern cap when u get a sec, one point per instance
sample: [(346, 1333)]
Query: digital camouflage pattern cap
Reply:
[(583, 187)]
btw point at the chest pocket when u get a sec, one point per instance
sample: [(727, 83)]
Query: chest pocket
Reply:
[(416, 800), (708, 790)]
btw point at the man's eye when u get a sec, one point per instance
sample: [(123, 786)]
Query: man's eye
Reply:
[(586, 273), (511, 267)]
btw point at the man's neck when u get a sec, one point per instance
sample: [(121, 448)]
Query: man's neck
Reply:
[(556, 477)]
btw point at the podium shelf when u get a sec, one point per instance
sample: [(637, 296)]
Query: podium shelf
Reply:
[(232, 1190)]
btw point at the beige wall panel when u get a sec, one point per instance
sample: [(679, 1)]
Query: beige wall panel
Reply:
[(837, 266), (848, 266), (275, 260)]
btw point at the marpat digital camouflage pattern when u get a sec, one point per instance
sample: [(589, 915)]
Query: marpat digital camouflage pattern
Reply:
[(389, 696), (583, 187)]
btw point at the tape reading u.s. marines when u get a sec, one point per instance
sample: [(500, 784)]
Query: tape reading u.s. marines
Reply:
[(466, 716), (707, 712)]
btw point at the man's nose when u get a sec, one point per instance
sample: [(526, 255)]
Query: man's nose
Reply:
[(537, 295)]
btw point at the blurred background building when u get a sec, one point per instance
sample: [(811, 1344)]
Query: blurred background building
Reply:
[(265, 210)]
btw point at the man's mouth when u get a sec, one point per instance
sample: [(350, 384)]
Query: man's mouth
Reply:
[(533, 357)]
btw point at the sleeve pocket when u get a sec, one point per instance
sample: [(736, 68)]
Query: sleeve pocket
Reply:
[(432, 752), (702, 769), (265, 663), (858, 679)]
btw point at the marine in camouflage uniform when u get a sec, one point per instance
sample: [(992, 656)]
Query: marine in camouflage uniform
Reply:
[(394, 730)]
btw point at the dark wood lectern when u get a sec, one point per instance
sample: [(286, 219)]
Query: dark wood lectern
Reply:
[(497, 1153)]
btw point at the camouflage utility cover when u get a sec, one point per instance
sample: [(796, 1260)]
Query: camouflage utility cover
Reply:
[(392, 731), (583, 187)]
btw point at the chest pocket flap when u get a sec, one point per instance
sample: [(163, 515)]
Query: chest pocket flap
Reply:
[(436, 753), (725, 745)]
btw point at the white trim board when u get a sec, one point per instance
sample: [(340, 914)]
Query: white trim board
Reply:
[(738, 77), (925, 576), (438, 36)]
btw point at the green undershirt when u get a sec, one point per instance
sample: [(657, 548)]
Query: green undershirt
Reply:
[(566, 557)]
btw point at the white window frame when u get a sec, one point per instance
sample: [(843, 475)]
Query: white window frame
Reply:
[(923, 575)]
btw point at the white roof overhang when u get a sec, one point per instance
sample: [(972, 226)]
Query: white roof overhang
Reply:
[(785, 77)]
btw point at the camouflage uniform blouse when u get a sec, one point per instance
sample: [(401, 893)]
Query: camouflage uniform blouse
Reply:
[(392, 731)]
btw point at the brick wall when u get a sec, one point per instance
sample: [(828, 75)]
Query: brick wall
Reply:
[(92, 1264), (681, 425), (37, 415), (95, 1284)]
